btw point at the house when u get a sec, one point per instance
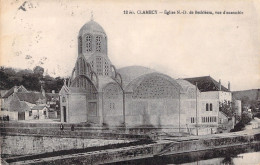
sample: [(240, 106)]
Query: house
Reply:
[(40, 112), (53, 105), (17, 103), (214, 96)]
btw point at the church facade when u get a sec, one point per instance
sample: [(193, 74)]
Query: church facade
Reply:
[(97, 92)]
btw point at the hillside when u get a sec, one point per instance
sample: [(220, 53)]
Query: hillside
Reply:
[(252, 94)]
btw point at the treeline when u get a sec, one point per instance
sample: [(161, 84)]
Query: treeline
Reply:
[(30, 79)]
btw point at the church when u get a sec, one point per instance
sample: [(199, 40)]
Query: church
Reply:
[(135, 96)]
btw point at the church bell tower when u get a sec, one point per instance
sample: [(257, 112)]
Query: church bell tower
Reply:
[(92, 45)]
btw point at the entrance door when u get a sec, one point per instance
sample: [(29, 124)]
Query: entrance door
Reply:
[(64, 114), (21, 115)]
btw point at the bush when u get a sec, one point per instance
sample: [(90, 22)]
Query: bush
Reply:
[(257, 115), (246, 118)]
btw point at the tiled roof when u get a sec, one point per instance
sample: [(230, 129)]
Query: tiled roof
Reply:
[(38, 107), (11, 91), (30, 97), (49, 96), (206, 83)]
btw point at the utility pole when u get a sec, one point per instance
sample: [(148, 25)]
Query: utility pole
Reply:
[(196, 109), (179, 110)]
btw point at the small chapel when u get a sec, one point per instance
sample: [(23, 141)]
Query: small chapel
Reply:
[(134, 96)]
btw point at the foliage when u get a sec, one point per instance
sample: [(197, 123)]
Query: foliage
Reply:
[(257, 115), (227, 108), (30, 79), (38, 70), (245, 119)]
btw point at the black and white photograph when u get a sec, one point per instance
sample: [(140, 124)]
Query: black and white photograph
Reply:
[(155, 82)]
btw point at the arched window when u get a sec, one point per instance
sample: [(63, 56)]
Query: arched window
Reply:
[(210, 107), (207, 107), (98, 43), (80, 44), (88, 43)]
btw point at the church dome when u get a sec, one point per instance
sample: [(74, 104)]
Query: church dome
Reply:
[(91, 26), (130, 73)]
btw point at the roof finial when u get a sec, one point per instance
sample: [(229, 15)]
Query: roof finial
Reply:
[(91, 16)]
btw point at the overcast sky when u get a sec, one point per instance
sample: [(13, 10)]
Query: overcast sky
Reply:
[(226, 47)]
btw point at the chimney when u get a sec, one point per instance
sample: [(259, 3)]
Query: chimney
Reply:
[(219, 84), (228, 86), (53, 91), (15, 89)]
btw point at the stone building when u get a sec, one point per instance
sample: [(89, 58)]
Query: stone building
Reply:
[(18, 103), (97, 92), (212, 96)]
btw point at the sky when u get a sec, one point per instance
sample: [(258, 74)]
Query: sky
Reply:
[(224, 46)]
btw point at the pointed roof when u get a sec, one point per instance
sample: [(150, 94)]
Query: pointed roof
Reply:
[(30, 97), (20, 88), (206, 83)]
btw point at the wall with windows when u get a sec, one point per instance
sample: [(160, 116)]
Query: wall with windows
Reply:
[(209, 110), (90, 43)]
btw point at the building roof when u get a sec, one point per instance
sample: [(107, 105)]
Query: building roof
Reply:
[(31, 97), (130, 73), (49, 96), (38, 107), (91, 26), (185, 84), (2, 93), (20, 88), (206, 84)]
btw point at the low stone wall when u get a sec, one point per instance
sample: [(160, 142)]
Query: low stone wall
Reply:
[(24, 145), (164, 147), (206, 144), (91, 134)]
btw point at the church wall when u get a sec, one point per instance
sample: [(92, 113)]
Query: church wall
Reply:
[(113, 105), (77, 108), (95, 109), (154, 112), (94, 115)]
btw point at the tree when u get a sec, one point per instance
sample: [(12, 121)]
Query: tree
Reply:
[(227, 108), (38, 70)]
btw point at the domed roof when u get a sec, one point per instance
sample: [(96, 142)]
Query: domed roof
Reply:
[(132, 72), (91, 26), (185, 84)]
